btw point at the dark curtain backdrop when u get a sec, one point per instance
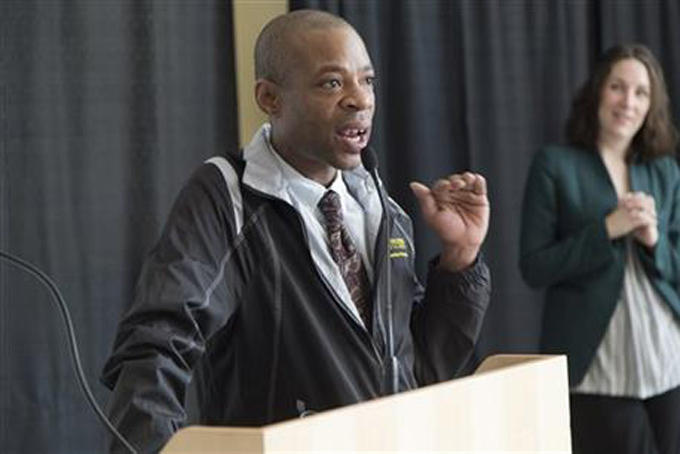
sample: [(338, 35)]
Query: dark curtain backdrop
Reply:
[(106, 108), (482, 85)]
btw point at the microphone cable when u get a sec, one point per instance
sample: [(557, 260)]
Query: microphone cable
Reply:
[(369, 160), (73, 343)]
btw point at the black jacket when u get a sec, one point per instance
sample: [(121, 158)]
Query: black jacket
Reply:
[(232, 288)]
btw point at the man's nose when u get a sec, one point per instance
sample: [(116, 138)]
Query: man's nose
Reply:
[(359, 98)]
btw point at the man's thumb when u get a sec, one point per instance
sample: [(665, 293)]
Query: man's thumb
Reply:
[(425, 198)]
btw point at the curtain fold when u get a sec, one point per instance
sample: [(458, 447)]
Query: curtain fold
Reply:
[(107, 107)]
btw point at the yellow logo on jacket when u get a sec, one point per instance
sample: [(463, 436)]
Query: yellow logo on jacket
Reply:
[(398, 248)]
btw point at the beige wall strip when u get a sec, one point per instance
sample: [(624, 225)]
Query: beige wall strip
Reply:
[(249, 18)]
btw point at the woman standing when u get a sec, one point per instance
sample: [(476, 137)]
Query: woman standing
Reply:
[(601, 232)]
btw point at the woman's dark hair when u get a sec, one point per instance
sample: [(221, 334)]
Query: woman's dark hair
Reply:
[(657, 136)]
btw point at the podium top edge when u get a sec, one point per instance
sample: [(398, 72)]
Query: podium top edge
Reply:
[(504, 360)]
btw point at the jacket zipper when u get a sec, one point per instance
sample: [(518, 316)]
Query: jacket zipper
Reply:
[(338, 301)]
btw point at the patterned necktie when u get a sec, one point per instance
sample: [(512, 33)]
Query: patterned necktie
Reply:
[(346, 255)]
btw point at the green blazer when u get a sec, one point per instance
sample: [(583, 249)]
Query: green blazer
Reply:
[(564, 246)]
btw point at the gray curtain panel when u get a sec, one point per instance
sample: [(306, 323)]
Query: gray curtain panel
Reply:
[(106, 108)]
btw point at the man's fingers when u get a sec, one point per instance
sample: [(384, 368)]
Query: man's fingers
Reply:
[(479, 185), (465, 187), (469, 181)]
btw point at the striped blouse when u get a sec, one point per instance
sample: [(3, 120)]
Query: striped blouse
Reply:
[(639, 356)]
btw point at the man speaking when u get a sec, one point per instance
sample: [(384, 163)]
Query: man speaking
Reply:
[(268, 282)]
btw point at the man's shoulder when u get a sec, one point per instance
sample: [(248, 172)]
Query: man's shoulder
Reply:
[(214, 180), (206, 175)]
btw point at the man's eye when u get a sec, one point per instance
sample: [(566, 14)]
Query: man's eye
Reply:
[(332, 83), (370, 80)]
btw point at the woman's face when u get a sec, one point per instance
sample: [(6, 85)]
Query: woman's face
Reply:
[(624, 101)]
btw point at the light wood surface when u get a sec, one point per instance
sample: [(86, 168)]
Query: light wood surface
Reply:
[(512, 404)]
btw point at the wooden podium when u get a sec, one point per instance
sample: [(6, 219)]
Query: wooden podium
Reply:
[(512, 404)]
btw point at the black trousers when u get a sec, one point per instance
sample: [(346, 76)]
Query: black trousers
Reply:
[(618, 425)]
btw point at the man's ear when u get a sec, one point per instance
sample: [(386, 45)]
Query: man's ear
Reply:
[(268, 97)]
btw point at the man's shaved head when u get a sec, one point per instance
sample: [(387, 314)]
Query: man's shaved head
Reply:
[(273, 50), (315, 83)]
